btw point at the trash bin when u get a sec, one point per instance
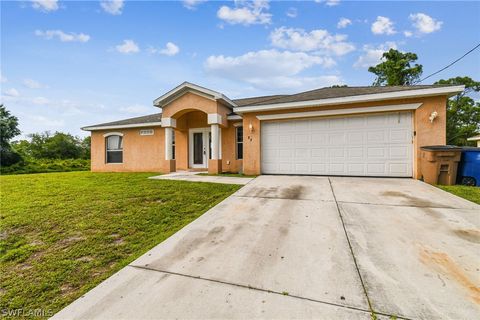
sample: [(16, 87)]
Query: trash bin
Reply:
[(469, 167), (439, 164)]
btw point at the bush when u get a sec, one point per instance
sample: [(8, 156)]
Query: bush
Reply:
[(47, 165), (9, 157)]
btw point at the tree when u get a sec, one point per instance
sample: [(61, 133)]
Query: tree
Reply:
[(463, 113), (8, 130), (396, 69), (57, 146)]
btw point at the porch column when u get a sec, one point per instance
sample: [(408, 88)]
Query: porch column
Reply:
[(215, 164), (168, 143), (169, 164), (215, 141)]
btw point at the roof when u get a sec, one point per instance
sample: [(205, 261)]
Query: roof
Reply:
[(191, 87), (257, 100), (336, 92), (150, 120), (345, 95), (317, 97)]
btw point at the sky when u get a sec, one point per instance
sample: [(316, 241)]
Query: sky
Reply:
[(69, 64)]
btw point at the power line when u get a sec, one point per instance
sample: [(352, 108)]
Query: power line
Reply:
[(451, 64)]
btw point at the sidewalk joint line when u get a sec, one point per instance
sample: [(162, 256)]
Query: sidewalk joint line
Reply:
[(255, 288)]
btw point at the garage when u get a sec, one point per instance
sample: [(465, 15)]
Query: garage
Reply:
[(357, 145)]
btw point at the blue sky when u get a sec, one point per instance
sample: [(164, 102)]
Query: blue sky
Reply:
[(68, 64)]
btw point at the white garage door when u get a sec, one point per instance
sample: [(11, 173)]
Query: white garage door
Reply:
[(368, 145)]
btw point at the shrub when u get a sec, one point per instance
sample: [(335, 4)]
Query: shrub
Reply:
[(47, 165)]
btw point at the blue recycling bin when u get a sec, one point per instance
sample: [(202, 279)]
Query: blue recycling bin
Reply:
[(469, 167)]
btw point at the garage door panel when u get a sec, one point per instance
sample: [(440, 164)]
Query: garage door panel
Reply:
[(368, 145)]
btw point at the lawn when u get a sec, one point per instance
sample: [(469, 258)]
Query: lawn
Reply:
[(469, 193), (61, 234)]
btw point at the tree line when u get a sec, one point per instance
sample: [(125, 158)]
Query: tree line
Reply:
[(40, 152)]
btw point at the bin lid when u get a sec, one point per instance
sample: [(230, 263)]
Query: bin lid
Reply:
[(441, 148), (470, 149)]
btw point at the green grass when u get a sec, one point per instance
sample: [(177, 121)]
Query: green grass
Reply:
[(61, 234), (226, 174), (469, 193)]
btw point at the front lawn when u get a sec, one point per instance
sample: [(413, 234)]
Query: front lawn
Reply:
[(61, 234), (469, 193)]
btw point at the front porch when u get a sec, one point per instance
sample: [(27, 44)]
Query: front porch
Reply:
[(198, 136)]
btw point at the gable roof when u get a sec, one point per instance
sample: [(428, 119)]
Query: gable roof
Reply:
[(191, 87)]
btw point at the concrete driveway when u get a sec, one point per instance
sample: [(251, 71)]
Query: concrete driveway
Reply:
[(307, 247)]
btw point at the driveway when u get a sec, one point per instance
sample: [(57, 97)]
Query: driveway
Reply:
[(307, 247)]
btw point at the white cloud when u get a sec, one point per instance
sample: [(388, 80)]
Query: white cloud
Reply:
[(272, 70), (137, 109), (343, 23), (113, 7), (292, 12), (40, 101), (300, 40), (127, 47), (170, 49), (329, 3), (192, 4), (46, 122), (258, 66), (32, 84), (12, 92), (383, 25), (424, 23), (373, 55), (407, 33), (62, 36), (246, 13), (45, 5)]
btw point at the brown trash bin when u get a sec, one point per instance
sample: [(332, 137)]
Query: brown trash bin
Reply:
[(439, 164)]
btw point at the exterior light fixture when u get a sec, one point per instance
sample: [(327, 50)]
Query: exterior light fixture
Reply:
[(433, 115)]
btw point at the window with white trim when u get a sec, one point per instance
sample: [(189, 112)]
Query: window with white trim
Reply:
[(239, 142), (114, 149)]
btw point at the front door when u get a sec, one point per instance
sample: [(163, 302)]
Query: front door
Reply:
[(199, 148)]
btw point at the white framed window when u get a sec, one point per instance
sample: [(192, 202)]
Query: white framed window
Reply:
[(147, 132), (239, 142), (114, 148)]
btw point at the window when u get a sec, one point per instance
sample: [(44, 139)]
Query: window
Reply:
[(114, 149), (173, 144), (239, 142)]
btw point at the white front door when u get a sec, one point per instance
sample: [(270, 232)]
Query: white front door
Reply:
[(364, 145), (199, 148)]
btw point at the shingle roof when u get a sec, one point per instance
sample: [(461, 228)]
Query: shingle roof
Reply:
[(152, 118), (317, 94), (256, 100), (337, 92)]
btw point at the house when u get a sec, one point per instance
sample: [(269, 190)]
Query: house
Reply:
[(475, 138), (354, 131)]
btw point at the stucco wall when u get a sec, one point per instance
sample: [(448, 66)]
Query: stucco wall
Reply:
[(140, 153), (426, 133)]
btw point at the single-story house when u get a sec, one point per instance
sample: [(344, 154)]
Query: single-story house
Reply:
[(354, 131), (475, 138)]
